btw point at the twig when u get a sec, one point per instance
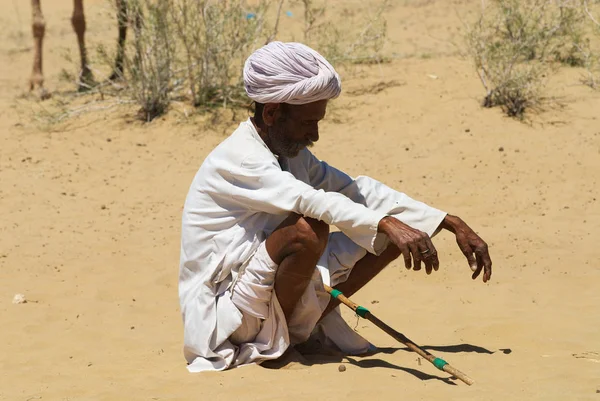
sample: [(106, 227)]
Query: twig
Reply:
[(591, 79), (587, 10), (276, 27), (89, 107), (481, 73), (366, 314), (361, 38)]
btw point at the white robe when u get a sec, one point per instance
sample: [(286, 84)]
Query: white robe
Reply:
[(240, 194)]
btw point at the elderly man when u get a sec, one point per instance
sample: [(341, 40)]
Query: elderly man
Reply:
[(256, 247)]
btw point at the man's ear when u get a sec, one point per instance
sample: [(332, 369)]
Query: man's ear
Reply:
[(270, 113)]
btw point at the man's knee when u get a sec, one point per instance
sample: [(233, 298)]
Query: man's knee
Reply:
[(312, 234)]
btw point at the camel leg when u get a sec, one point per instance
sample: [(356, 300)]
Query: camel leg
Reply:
[(86, 80), (39, 28), (122, 20)]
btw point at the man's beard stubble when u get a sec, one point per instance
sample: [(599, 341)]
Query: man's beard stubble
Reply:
[(281, 145)]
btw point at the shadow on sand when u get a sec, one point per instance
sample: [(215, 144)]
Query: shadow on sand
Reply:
[(303, 356), (450, 348), (379, 363)]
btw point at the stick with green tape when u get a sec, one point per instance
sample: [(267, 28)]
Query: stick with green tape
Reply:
[(365, 313)]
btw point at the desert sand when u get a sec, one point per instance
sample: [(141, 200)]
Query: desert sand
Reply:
[(90, 219)]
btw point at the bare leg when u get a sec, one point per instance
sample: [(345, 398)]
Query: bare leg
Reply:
[(363, 271), (39, 28), (296, 246), (122, 20), (86, 80)]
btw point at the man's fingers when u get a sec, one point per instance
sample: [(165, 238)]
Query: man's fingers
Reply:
[(428, 265), (432, 256), (426, 254), (487, 264), (479, 268), (406, 255), (436, 262), (487, 267), (468, 252), (427, 259), (416, 255)]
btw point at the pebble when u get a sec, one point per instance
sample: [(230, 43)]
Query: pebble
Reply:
[(342, 368), (19, 299)]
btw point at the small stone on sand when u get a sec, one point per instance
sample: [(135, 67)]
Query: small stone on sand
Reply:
[(19, 299), (342, 368)]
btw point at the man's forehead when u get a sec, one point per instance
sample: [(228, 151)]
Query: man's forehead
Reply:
[(312, 111)]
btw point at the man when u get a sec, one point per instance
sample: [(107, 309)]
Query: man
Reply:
[(256, 247)]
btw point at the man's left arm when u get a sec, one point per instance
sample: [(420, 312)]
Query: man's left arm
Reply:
[(378, 196), (472, 246), (374, 195)]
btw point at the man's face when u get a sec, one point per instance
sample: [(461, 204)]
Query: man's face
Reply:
[(294, 127)]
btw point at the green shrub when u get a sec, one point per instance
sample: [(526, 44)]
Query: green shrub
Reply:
[(517, 44)]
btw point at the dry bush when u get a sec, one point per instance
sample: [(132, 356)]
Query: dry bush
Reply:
[(190, 50), (217, 37), (592, 53), (150, 68), (358, 39), (517, 44), (194, 50)]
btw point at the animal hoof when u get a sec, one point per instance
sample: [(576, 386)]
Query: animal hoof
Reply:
[(43, 94)]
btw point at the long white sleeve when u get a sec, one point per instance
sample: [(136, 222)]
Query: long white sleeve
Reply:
[(374, 195), (264, 187)]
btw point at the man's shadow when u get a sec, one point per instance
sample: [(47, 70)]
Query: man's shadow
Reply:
[(308, 355), (380, 363), (450, 348)]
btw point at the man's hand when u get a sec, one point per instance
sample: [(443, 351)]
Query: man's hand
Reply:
[(412, 243), (472, 246)]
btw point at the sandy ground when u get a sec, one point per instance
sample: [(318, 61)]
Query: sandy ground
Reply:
[(90, 215)]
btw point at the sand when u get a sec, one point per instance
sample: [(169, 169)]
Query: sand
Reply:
[(90, 214)]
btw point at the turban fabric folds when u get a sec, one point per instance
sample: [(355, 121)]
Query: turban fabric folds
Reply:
[(290, 73)]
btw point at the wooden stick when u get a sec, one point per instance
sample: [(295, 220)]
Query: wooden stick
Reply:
[(365, 313)]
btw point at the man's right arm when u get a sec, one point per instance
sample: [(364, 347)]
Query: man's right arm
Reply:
[(262, 186), (409, 217), (374, 195)]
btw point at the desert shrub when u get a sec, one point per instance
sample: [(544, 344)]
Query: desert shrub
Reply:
[(360, 39), (592, 52), (194, 50), (568, 38), (151, 57), (191, 50), (517, 44), (217, 37)]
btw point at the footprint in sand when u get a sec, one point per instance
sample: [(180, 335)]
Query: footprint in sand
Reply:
[(589, 355)]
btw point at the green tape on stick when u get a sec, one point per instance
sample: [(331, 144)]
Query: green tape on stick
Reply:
[(439, 363), (335, 293), (362, 311)]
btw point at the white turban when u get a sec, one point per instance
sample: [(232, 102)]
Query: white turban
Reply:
[(289, 73)]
